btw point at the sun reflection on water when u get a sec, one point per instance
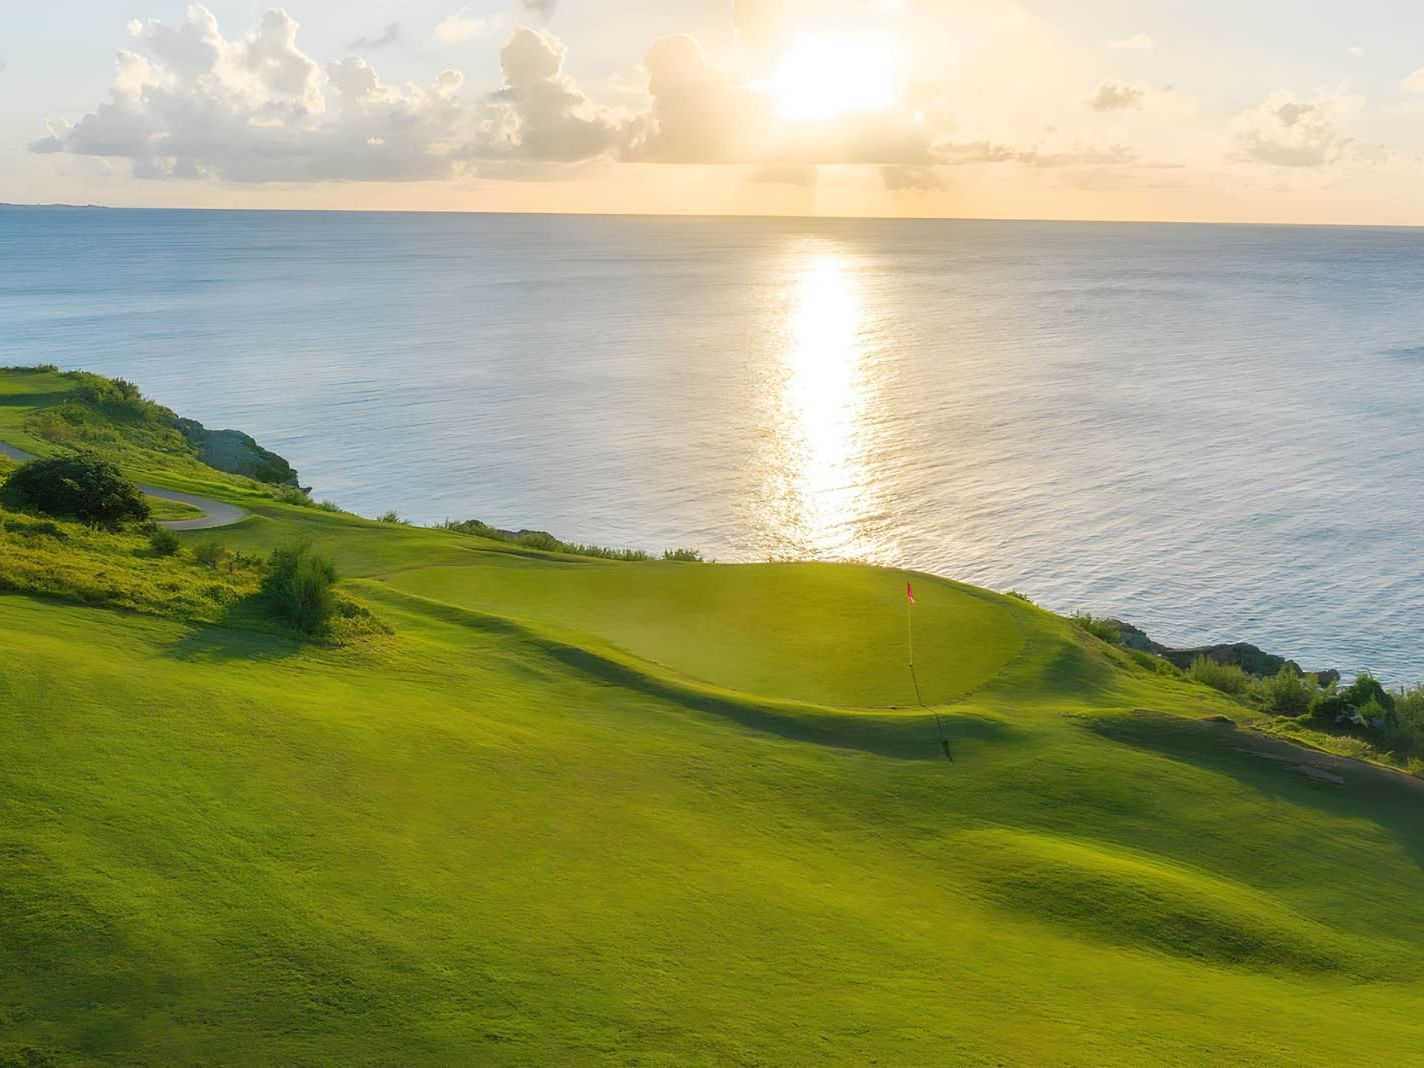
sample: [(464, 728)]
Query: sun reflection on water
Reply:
[(820, 484)]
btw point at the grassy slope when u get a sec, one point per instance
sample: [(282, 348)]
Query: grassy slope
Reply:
[(553, 822), (147, 455)]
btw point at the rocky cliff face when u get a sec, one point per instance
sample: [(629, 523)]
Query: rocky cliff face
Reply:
[(237, 453), (1250, 658)]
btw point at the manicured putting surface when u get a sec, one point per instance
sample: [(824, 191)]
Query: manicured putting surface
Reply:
[(821, 633)]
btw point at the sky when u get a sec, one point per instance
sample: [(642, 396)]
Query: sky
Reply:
[(1191, 110)]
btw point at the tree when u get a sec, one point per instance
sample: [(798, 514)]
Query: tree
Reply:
[(82, 487)]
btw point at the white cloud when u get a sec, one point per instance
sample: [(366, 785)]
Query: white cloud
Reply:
[(192, 103), (1358, 51), (462, 27), (256, 108), (1286, 131), (1138, 42), (540, 114), (1117, 96), (1414, 83)]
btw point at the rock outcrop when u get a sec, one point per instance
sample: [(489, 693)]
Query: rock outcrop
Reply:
[(1250, 658)]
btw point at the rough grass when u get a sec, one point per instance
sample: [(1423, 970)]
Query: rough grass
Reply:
[(56, 558), (48, 412)]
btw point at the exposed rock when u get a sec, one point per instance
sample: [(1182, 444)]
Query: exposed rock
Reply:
[(1250, 658), (237, 453)]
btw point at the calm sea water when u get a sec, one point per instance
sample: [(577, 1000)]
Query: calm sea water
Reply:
[(1215, 432)]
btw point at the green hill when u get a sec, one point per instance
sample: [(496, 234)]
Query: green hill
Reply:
[(578, 811)]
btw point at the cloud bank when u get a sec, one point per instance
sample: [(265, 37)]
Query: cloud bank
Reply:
[(191, 102)]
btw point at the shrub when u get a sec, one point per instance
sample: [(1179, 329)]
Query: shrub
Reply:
[(118, 396), (1228, 678), (292, 495), (163, 542), (299, 584), (1153, 663), (1019, 596), (82, 487), (1327, 705), (686, 556), (1288, 692), (1366, 692), (1099, 627), (393, 517), (210, 554)]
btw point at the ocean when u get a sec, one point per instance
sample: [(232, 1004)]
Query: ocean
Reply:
[(1213, 432)]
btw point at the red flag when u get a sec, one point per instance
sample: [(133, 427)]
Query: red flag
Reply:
[(909, 593)]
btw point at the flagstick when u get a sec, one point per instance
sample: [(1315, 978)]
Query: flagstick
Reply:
[(910, 632), (910, 647)]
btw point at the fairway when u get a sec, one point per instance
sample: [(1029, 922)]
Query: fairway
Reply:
[(563, 810), (819, 633), (228, 847)]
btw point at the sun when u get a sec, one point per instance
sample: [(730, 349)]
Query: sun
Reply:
[(825, 76)]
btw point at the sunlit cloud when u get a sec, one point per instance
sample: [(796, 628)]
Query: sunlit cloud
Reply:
[(1287, 131), (463, 27), (918, 98), (1117, 96), (1138, 42)]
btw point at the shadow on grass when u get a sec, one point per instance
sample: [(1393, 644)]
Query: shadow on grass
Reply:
[(903, 736), (1390, 799), (35, 400), (246, 632)]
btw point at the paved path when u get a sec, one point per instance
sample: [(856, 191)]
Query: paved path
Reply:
[(215, 513)]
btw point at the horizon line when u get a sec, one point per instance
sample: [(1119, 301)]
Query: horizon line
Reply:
[(829, 217)]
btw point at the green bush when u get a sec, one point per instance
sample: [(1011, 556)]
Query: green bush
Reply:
[(300, 586), (1327, 705), (1228, 678), (1153, 663), (163, 542), (686, 556), (293, 495), (210, 554), (1288, 692), (1366, 692), (81, 487), (118, 396), (1099, 627)]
